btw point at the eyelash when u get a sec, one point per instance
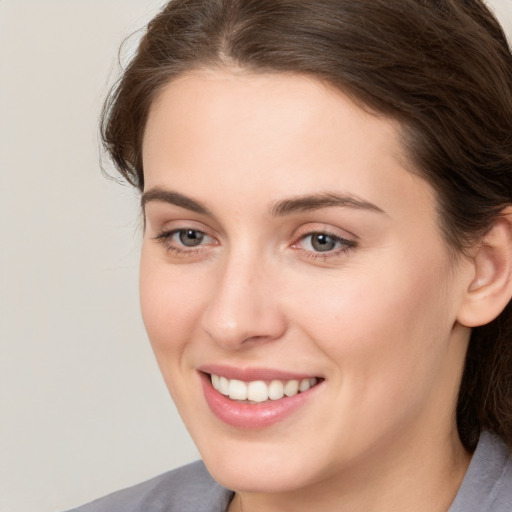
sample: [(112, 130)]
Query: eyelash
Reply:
[(165, 238), (345, 246)]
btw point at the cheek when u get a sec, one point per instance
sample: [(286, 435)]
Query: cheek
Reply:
[(170, 304), (392, 323), (387, 344)]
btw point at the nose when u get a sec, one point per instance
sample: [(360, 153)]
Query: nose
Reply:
[(244, 305)]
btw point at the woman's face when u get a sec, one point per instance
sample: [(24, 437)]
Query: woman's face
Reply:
[(287, 244)]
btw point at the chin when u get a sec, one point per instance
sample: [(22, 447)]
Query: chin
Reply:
[(255, 476), (257, 466)]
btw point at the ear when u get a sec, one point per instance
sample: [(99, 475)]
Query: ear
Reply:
[(490, 289)]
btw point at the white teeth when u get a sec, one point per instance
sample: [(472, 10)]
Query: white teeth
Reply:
[(224, 385), (276, 390), (291, 387), (304, 385), (259, 391), (237, 390)]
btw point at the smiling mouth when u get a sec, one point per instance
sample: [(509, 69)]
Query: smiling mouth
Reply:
[(260, 391)]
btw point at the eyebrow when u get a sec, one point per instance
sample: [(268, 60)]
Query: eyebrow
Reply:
[(175, 198), (279, 209), (317, 201)]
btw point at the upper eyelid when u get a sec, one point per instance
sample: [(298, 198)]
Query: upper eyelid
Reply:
[(167, 233), (172, 231), (168, 226), (310, 229), (328, 233), (346, 242), (157, 215)]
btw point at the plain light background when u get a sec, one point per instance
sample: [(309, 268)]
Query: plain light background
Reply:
[(84, 410)]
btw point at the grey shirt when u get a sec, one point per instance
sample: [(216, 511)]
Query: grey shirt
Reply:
[(487, 487)]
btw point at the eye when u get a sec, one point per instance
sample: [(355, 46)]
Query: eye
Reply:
[(321, 242), (184, 240), (190, 237), (325, 243)]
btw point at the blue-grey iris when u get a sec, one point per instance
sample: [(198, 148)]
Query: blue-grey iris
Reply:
[(191, 237)]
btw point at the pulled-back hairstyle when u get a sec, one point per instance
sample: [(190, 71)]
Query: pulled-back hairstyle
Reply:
[(442, 68)]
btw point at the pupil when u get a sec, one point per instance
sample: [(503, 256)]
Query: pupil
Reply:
[(191, 238), (323, 243)]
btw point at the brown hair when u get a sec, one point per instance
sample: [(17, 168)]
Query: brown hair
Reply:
[(442, 68)]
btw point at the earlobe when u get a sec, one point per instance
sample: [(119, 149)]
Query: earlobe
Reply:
[(490, 289)]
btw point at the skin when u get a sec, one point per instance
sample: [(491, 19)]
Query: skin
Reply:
[(376, 317)]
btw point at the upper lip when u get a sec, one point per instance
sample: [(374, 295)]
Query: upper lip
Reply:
[(248, 374)]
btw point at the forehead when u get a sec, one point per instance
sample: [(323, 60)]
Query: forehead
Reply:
[(281, 134), (260, 105)]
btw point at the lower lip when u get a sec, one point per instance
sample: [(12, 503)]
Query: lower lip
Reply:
[(252, 416)]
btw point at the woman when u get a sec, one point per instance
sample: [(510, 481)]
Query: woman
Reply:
[(326, 269)]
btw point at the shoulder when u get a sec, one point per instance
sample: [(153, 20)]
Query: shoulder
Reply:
[(488, 481), (189, 488)]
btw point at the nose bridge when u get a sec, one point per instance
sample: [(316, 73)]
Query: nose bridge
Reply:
[(244, 304)]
